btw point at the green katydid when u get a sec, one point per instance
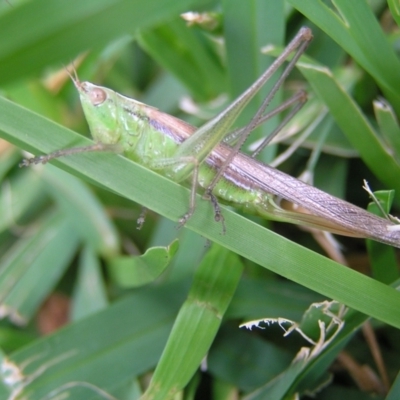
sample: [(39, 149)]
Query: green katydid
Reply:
[(181, 152)]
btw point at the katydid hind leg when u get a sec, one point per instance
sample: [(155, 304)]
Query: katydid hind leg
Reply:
[(298, 44), (201, 143)]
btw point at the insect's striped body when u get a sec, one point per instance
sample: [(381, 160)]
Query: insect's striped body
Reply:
[(153, 138)]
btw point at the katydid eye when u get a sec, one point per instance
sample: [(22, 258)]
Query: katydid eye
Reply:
[(97, 96)]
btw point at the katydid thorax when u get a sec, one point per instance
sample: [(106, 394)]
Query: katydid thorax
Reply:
[(201, 156)]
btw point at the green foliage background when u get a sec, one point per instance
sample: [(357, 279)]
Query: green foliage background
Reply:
[(78, 236)]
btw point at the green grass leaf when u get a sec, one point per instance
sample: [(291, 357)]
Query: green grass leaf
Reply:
[(117, 334), (69, 28)]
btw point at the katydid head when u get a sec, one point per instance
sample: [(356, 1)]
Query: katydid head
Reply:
[(95, 94), (100, 110)]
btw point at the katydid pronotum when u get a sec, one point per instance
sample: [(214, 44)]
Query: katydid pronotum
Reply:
[(208, 159)]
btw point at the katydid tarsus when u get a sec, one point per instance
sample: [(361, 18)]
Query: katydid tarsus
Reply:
[(204, 157)]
